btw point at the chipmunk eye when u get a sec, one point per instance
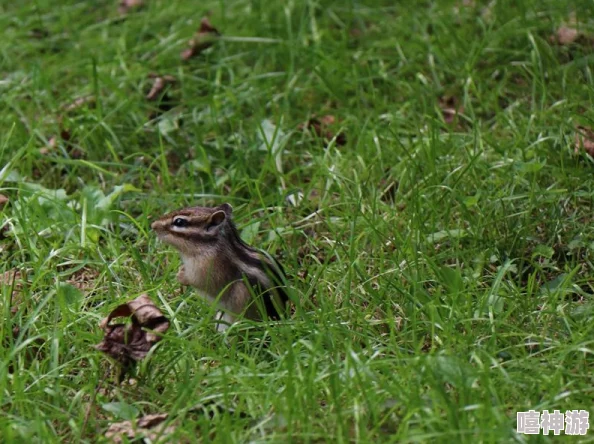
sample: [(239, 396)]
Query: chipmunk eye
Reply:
[(180, 222)]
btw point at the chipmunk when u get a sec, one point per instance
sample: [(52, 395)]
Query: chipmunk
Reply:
[(221, 266)]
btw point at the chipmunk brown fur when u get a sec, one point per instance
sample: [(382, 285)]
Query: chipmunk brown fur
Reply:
[(221, 266)]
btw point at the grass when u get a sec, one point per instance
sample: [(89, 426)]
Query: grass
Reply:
[(432, 311)]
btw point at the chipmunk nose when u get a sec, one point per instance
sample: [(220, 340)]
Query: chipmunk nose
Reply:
[(156, 225)]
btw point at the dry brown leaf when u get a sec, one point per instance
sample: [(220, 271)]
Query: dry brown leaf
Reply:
[(159, 84), (159, 94), (450, 108), (569, 32), (128, 5), (204, 38), (319, 126), (3, 200), (10, 278), (150, 427), (584, 139), (14, 280), (130, 343), (79, 102), (83, 279), (565, 35), (66, 137)]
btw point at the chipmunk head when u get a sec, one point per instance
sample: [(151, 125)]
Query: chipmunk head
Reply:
[(194, 228)]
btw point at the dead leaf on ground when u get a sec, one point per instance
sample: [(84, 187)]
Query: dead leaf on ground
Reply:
[(565, 35), (88, 101), (160, 95), (53, 141), (584, 139), (159, 84), (3, 200), (12, 278), (65, 136), (131, 343), (204, 38), (569, 33), (320, 127), (450, 108), (149, 427), (128, 5), (83, 279)]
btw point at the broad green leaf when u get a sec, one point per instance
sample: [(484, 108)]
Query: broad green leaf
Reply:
[(70, 296), (249, 233), (122, 410), (446, 234)]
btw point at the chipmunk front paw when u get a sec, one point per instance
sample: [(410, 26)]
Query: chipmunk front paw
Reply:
[(181, 276)]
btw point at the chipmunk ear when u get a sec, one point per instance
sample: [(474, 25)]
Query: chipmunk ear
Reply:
[(227, 208), (215, 220)]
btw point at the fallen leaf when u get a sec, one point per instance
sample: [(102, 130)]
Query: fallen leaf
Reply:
[(131, 343), (160, 95), (450, 108), (83, 279), (3, 200), (565, 35), (12, 278), (150, 427), (204, 38), (88, 101), (66, 137), (569, 32), (584, 139), (319, 126), (128, 5), (159, 84)]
